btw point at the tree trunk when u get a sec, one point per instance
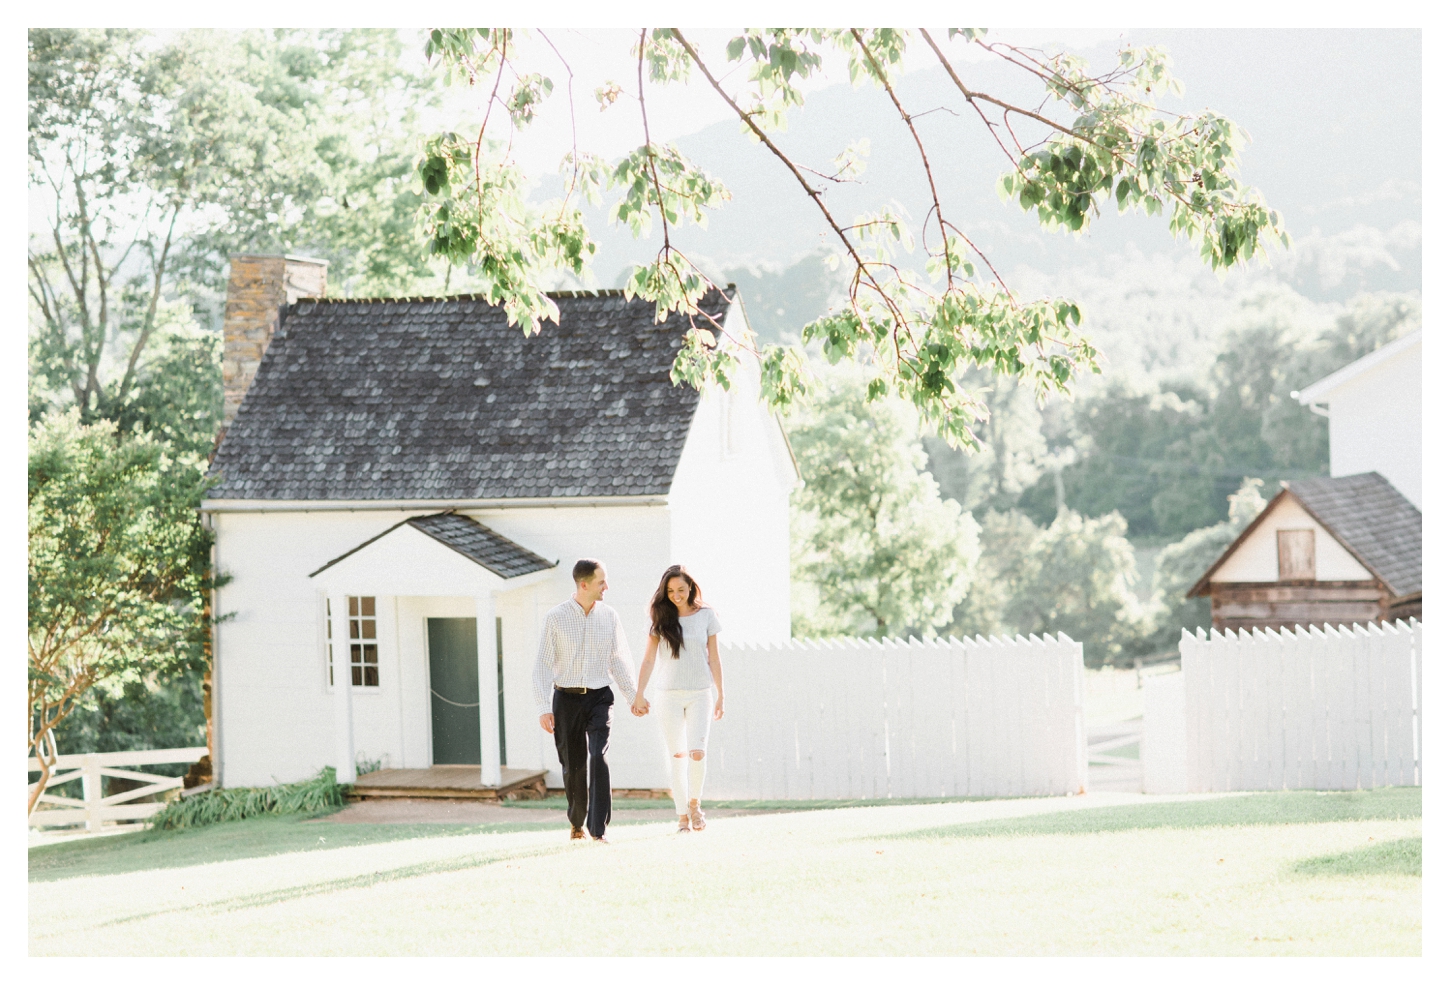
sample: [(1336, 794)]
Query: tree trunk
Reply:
[(47, 768)]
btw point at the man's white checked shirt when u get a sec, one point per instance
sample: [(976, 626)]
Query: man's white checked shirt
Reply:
[(576, 650)]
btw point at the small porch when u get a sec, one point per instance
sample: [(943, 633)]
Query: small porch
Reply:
[(416, 659), (450, 783)]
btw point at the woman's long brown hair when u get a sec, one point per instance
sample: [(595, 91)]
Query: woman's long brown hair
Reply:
[(664, 618)]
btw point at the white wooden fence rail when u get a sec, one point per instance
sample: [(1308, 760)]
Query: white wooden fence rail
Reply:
[(92, 809), (1318, 708), (847, 719)]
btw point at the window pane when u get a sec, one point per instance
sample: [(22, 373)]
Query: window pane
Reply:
[(369, 605), (370, 653), (369, 629), (357, 678), (356, 653), (370, 677), (352, 605)]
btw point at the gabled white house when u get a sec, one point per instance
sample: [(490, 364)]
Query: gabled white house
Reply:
[(1373, 406), (404, 489)]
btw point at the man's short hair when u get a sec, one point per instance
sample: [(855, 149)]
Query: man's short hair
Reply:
[(584, 569)]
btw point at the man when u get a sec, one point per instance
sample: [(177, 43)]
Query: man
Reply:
[(581, 646)]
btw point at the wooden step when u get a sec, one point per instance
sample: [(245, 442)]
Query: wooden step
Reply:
[(449, 783)]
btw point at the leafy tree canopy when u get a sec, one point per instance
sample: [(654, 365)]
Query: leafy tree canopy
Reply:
[(119, 578), (154, 162), (886, 554), (1169, 458), (1092, 140), (1075, 576)]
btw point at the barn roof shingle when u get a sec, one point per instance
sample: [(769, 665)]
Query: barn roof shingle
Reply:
[(1370, 517), (442, 399)]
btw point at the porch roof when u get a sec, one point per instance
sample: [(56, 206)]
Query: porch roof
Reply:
[(484, 547)]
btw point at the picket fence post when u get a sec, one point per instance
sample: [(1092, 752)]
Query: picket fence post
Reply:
[(1326, 708), (853, 718)]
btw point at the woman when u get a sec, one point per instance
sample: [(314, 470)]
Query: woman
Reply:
[(687, 628)]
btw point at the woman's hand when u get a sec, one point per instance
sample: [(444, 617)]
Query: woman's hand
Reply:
[(640, 706), (719, 708)]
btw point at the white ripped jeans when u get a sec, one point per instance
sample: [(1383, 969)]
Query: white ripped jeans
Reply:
[(685, 717)]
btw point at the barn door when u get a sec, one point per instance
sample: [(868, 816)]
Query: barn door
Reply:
[(453, 686)]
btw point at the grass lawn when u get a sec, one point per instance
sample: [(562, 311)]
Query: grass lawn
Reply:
[(1256, 874)]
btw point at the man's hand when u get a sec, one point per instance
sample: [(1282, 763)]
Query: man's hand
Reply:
[(546, 722), (640, 706)]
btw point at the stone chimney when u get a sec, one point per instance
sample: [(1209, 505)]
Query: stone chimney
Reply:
[(257, 288)]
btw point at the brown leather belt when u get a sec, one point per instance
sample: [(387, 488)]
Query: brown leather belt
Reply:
[(572, 690)]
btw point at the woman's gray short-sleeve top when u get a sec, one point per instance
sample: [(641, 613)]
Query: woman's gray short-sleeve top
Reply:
[(691, 672)]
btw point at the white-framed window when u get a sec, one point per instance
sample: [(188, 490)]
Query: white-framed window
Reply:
[(362, 632)]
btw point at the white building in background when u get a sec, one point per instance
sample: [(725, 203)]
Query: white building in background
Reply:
[(415, 477), (1373, 406)]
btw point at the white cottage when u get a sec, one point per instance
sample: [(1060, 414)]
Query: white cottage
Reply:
[(404, 489)]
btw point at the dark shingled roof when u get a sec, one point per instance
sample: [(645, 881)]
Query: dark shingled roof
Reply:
[(471, 539), (1371, 518), (443, 399)]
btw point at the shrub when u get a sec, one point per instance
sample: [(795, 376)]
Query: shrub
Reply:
[(238, 803)]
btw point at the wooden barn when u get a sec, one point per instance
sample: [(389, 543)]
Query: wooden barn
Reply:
[(1333, 550)]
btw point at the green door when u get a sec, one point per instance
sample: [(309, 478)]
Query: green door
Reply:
[(453, 681)]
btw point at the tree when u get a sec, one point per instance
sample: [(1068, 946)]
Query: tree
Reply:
[(1074, 576), (1147, 456), (144, 713), (1012, 454), (1170, 461), (1181, 564), (118, 572), (1078, 580), (178, 401), (886, 554), (1007, 539), (157, 162), (1090, 140)]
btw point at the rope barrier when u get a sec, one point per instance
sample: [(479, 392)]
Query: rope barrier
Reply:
[(453, 703)]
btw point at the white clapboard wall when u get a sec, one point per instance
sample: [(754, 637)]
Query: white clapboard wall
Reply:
[(839, 719), (1320, 708)]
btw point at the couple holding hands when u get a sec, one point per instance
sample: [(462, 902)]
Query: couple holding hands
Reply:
[(582, 648)]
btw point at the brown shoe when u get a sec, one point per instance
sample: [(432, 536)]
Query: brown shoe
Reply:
[(697, 818), (576, 834)]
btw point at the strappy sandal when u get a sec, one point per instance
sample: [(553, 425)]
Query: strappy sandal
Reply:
[(697, 818), (684, 827)]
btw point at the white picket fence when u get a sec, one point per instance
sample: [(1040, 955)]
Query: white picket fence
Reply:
[(1318, 708), (92, 809), (848, 719)]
